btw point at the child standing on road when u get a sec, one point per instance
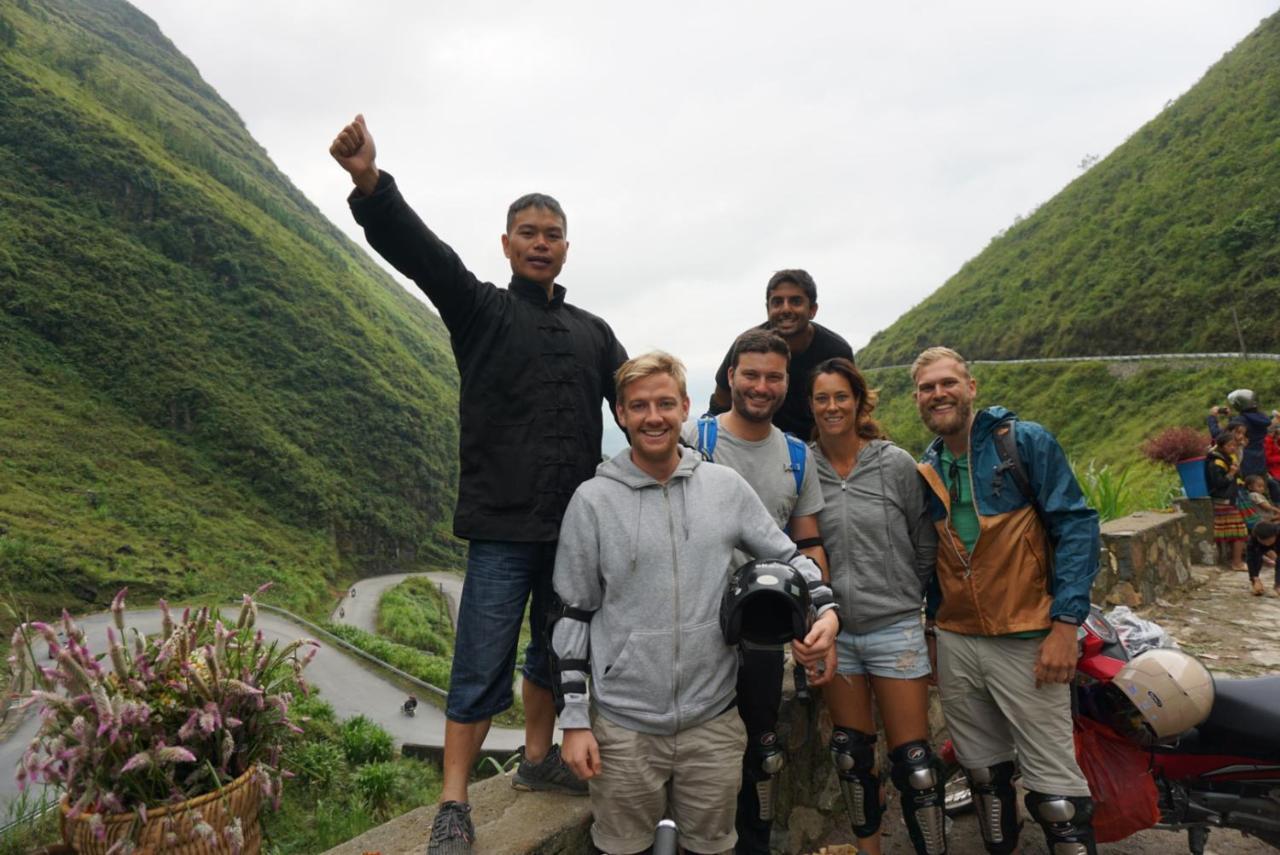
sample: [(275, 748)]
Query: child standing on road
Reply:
[(1220, 469), (1260, 553)]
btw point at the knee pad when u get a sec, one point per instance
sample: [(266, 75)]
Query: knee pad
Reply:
[(765, 759), (997, 806), (854, 755), (921, 779), (1066, 820)]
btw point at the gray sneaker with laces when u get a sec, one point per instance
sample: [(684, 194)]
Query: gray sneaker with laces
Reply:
[(452, 832), (550, 775)]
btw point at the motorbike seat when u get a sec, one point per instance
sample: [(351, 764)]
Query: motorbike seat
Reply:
[(1245, 713)]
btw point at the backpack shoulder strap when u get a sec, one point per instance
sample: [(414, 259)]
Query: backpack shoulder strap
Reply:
[(708, 429), (1006, 440), (797, 449), (1005, 434)]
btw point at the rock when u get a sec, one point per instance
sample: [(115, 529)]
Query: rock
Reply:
[(1124, 594)]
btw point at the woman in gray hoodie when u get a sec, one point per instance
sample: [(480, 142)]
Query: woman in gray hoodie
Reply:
[(880, 546)]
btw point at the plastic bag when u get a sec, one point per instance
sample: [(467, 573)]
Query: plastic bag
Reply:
[(1138, 634), (1124, 794)]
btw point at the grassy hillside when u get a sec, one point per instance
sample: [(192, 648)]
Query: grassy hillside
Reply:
[(205, 384), (1099, 411), (1149, 251)]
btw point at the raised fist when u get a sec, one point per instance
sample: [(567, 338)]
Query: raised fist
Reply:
[(355, 152)]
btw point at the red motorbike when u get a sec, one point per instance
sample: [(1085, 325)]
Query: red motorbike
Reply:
[(1224, 773)]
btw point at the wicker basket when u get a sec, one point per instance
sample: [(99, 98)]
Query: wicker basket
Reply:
[(241, 798)]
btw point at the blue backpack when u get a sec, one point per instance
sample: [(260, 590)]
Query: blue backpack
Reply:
[(709, 428)]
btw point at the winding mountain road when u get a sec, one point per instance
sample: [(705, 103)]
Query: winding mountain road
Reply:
[(361, 610), (352, 686)]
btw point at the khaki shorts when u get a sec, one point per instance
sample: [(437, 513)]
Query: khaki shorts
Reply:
[(693, 776), (995, 712)]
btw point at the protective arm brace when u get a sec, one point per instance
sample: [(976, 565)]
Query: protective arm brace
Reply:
[(580, 591)]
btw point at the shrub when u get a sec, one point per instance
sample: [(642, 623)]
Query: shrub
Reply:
[(1107, 491), (1175, 444), (363, 741), (316, 718), (319, 764), (379, 784)]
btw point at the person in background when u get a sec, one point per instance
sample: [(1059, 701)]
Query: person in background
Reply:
[(1220, 471), (881, 545), (1257, 487), (1254, 425), (1271, 449), (1261, 553)]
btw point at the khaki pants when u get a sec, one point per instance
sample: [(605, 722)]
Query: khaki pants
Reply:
[(693, 775), (995, 712)]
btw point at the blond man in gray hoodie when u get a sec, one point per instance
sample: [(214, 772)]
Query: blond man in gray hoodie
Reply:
[(641, 567)]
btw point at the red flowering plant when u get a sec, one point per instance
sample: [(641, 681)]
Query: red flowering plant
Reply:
[(161, 718), (1175, 444)]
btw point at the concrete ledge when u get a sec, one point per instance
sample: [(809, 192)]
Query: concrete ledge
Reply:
[(508, 822)]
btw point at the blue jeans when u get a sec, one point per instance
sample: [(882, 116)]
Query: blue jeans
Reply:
[(501, 576)]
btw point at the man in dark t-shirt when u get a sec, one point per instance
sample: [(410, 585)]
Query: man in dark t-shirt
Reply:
[(791, 300)]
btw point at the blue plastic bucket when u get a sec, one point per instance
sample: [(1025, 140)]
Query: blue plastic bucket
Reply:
[(1192, 474)]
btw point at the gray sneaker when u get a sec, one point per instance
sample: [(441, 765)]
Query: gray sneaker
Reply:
[(452, 832), (550, 775)]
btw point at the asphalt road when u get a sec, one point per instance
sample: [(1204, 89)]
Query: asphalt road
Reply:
[(352, 686), (361, 610)]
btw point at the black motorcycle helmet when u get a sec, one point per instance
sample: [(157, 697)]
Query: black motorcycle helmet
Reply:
[(766, 602)]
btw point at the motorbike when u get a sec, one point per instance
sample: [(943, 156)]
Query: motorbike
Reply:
[(408, 708), (1225, 773)]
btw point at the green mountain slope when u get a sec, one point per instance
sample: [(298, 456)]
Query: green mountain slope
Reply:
[(205, 384), (1149, 251)]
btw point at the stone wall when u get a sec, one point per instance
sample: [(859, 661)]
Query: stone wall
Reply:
[(1149, 553)]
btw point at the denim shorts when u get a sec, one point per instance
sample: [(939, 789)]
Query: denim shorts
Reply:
[(501, 576), (897, 651)]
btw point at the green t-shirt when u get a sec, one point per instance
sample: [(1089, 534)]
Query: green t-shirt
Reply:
[(964, 514)]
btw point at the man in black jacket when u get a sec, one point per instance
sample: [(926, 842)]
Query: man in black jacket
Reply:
[(534, 370)]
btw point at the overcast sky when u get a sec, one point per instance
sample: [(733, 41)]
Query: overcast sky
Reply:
[(698, 147)]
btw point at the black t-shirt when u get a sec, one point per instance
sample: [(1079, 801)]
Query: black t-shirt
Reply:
[(794, 416)]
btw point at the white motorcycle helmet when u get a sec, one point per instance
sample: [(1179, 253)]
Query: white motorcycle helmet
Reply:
[(1242, 399), (1168, 692)]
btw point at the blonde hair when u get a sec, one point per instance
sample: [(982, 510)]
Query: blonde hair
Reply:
[(647, 365), (934, 354)]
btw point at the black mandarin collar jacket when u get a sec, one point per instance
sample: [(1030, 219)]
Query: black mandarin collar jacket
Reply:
[(533, 373)]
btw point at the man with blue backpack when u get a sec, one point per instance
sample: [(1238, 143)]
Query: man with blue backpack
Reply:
[(779, 468)]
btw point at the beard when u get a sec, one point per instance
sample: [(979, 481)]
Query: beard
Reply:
[(949, 423), (755, 409)]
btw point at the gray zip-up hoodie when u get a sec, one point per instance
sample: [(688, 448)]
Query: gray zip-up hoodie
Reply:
[(879, 537), (649, 562)]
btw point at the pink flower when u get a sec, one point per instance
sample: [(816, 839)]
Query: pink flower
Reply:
[(141, 760), (188, 728), (117, 608), (175, 754), (209, 718), (206, 832)]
